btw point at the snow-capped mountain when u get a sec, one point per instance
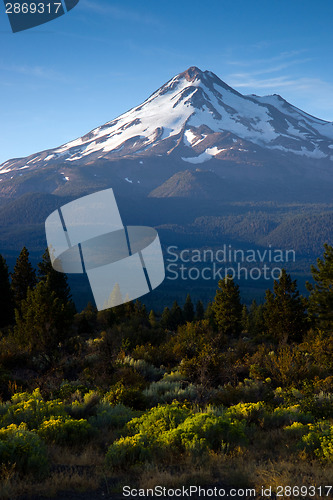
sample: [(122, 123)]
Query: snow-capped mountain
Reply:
[(193, 120)]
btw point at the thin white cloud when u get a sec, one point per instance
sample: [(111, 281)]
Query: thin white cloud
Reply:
[(41, 72), (283, 56), (121, 14), (269, 69)]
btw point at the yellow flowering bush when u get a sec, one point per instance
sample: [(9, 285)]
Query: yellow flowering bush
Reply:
[(31, 409), (128, 451), (319, 440), (23, 448), (65, 431)]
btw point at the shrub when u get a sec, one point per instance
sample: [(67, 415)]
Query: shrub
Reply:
[(159, 419), (166, 391), (23, 448), (65, 431), (129, 451), (147, 370), (248, 391), (109, 417), (31, 409), (173, 429), (296, 430), (205, 431), (286, 416), (251, 412), (67, 389), (319, 441), (126, 395)]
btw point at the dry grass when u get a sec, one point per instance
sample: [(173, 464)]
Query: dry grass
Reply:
[(88, 456), (270, 459), (71, 479)]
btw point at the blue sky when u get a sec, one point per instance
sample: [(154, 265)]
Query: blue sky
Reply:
[(60, 80)]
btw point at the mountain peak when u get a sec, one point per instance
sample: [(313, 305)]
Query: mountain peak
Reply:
[(192, 74), (196, 118)]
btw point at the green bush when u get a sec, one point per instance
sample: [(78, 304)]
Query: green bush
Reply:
[(205, 431), (65, 431), (23, 448), (129, 451), (173, 430), (282, 416), (31, 409), (149, 371), (296, 430), (251, 412), (159, 419), (109, 417), (126, 395), (319, 441), (166, 391)]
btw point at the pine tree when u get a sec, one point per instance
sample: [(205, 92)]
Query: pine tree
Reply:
[(256, 322), (6, 297), (23, 277), (42, 320), (210, 315), (228, 308), (245, 319), (200, 311), (115, 298), (166, 318), (284, 310), (57, 282), (140, 309), (321, 292), (176, 316), (152, 319), (188, 311)]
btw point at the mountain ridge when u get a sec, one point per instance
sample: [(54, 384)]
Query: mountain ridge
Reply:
[(193, 120)]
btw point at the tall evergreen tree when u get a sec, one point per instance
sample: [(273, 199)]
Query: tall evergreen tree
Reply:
[(166, 318), (23, 277), (284, 310), (199, 311), (42, 320), (245, 319), (152, 319), (256, 322), (6, 297), (188, 311), (227, 308), (321, 292), (176, 316), (57, 282)]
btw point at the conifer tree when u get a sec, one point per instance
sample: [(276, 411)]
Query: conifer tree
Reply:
[(228, 308), (152, 319), (6, 297), (245, 319), (284, 310), (256, 322), (321, 292), (42, 320), (166, 318), (57, 282), (116, 298), (176, 316), (199, 311), (188, 311), (23, 277)]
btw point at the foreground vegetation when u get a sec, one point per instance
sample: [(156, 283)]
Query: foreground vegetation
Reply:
[(200, 395)]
